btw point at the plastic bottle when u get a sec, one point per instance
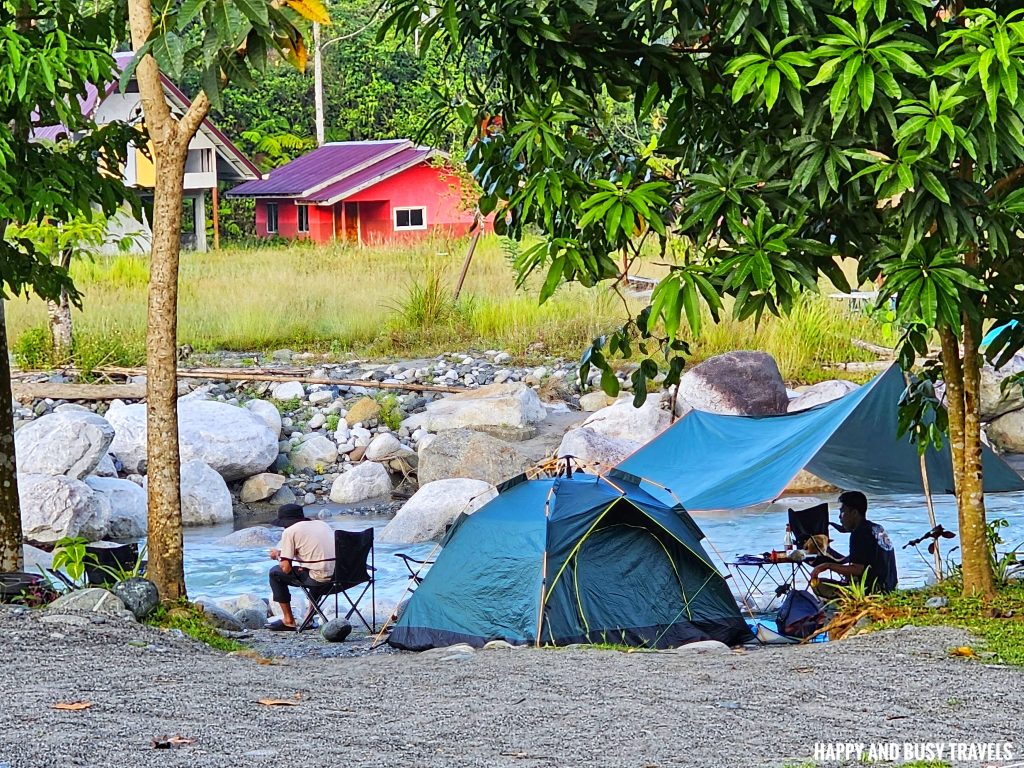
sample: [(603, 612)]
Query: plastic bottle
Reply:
[(790, 546)]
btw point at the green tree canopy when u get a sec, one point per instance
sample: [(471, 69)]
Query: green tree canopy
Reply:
[(793, 133)]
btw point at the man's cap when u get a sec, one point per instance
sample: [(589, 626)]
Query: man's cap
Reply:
[(289, 514)]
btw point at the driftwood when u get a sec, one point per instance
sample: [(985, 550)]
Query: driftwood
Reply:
[(877, 349), (40, 390), (231, 374)]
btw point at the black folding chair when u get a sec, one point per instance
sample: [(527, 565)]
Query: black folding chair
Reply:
[(813, 521), (414, 573), (354, 565)]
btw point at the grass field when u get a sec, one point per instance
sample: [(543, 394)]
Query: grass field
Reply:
[(389, 301)]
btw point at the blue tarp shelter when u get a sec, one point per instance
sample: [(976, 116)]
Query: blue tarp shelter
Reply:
[(614, 565), (710, 461)]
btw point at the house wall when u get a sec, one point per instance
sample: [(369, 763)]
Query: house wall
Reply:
[(321, 221), (424, 185)]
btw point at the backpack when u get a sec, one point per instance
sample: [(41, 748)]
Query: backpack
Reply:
[(801, 614)]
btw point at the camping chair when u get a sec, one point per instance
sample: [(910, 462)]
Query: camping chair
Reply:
[(813, 522), (414, 573), (353, 566)]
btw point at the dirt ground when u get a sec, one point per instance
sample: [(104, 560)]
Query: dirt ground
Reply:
[(524, 708)]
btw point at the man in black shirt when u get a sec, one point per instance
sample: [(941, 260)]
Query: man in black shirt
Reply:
[(871, 552)]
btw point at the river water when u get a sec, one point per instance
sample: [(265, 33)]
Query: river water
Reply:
[(218, 571)]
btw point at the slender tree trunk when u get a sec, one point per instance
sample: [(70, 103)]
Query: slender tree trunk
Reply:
[(59, 315), (11, 551), (963, 384), (170, 139)]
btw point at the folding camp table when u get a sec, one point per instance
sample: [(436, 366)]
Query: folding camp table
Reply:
[(757, 576)]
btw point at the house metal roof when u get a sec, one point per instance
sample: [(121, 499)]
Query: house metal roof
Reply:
[(335, 171)]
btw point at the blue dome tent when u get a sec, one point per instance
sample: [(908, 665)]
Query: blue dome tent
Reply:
[(581, 559)]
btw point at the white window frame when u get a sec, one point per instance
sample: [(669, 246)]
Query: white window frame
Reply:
[(409, 208), (300, 209), (273, 207)]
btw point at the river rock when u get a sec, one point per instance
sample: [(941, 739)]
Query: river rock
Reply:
[(315, 452), (92, 600), (234, 441), (368, 480), (470, 454), (820, 393), (363, 411), (128, 513), (383, 447), (806, 483), (288, 390), (234, 605), (205, 498), (621, 421), (435, 506), (742, 383), (139, 596), (68, 443), (53, 507), (284, 495), (250, 538), (261, 487), (590, 447), (268, 413), (1006, 433), (995, 402), (336, 630), (105, 467), (36, 558), (510, 405), (251, 618), (218, 617), (595, 401)]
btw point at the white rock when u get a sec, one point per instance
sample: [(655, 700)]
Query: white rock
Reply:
[(316, 421), (127, 506), (236, 442), (69, 443), (621, 421), (321, 397), (205, 498), (268, 413), (55, 506), (36, 558), (507, 405), (288, 390), (106, 467), (590, 447), (313, 452), (368, 480), (361, 433), (822, 392), (383, 447), (260, 487), (435, 506), (342, 433), (250, 538)]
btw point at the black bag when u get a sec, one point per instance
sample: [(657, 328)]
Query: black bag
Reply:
[(801, 614)]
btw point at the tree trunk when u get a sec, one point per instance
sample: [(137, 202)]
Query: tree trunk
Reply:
[(166, 548), (979, 578), (963, 383), (11, 551), (59, 315)]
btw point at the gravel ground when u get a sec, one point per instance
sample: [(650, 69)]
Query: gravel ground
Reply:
[(523, 708)]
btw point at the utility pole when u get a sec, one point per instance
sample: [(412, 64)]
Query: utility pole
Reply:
[(318, 86)]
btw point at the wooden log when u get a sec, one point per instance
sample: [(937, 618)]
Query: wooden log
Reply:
[(881, 351), (38, 390)]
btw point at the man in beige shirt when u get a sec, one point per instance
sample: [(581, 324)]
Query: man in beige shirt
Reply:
[(305, 556)]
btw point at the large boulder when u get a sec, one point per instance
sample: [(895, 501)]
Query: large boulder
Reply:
[(512, 405), (820, 393), (68, 443), (261, 487), (435, 506), (743, 383), (470, 454), (55, 506), (248, 538), (383, 447), (205, 498), (368, 480), (235, 441), (592, 449), (621, 421), (127, 506), (994, 401), (92, 600), (315, 452), (268, 413), (1006, 433), (140, 596), (595, 401), (806, 483)]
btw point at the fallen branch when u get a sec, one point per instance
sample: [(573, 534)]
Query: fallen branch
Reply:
[(877, 349)]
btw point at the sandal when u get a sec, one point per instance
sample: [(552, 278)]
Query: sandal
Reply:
[(280, 626)]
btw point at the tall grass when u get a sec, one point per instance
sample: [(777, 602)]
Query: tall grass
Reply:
[(388, 300)]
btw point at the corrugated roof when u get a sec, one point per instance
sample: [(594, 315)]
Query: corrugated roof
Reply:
[(326, 165), (375, 173)]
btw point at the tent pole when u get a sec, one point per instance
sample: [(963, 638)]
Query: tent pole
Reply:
[(931, 518)]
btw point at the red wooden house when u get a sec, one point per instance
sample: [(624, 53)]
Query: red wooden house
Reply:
[(360, 191)]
